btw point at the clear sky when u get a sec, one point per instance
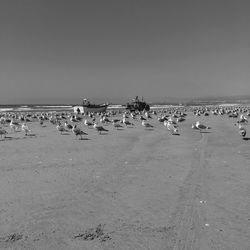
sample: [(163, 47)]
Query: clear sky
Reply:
[(63, 50)]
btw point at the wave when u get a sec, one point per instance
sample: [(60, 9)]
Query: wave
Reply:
[(30, 108), (54, 106)]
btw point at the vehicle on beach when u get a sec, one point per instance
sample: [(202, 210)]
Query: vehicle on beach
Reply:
[(88, 107), (137, 105)]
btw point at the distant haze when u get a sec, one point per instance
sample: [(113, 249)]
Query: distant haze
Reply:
[(59, 51)]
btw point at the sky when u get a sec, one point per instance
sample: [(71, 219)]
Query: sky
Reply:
[(61, 51)]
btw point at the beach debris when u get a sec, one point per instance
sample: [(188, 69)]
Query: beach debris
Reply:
[(93, 233), (203, 202), (11, 238)]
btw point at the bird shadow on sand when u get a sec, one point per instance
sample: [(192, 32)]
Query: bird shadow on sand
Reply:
[(84, 139), (205, 132), (9, 138), (246, 138)]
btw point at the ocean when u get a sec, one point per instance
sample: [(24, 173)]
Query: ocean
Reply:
[(32, 108), (61, 107)]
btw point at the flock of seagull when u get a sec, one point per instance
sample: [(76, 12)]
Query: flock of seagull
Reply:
[(69, 122)]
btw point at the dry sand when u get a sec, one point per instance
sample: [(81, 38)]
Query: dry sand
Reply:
[(128, 189)]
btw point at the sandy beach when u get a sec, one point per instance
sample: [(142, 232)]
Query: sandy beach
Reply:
[(126, 189)]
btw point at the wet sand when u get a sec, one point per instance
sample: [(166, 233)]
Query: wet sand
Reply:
[(127, 189)]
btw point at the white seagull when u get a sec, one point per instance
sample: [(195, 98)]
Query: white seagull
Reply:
[(201, 126), (3, 132), (60, 128), (243, 119), (172, 128), (88, 123), (242, 130), (146, 124), (126, 122), (14, 125), (25, 128)]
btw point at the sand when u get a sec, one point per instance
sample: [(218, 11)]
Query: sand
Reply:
[(126, 189)]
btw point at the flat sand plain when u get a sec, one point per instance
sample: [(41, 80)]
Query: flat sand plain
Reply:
[(127, 189)]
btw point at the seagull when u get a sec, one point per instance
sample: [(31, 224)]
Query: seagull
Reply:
[(165, 123), (180, 119), (127, 123), (41, 121), (99, 128), (194, 126), (172, 128), (201, 126), (67, 125), (14, 125), (25, 128), (117, 125), (73, 119), (132, 115), (2, 120), (3, 132), (60, 128), (161, 119), (104, 119), (243, 119), (146, 124), (115, 120), (77, 131), (242, 130), (148, 115), (78, 118), (142, 118), (88, 123), (171, 120)]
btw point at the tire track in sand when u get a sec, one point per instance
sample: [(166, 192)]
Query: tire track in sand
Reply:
[(188, 221)]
